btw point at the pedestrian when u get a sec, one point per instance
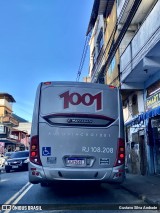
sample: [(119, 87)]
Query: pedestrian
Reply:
[(128, 157), (134, 159)]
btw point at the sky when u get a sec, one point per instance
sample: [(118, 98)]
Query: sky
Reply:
[(40, 40)]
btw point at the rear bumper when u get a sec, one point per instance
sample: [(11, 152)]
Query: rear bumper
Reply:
[(38, 174), (17, 167)]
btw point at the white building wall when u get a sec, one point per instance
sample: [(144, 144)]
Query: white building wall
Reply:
[(5, 103), (128, 111), (25, 126), (141, 107)]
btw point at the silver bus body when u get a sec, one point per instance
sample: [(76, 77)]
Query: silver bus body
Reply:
[(77, 133)]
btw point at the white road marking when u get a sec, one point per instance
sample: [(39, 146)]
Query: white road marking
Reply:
[(3, 180), (23, 193), (17, 196)]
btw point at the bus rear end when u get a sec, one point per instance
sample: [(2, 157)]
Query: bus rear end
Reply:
[(77, 133)]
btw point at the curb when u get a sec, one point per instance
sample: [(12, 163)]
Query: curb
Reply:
[(139, 196)]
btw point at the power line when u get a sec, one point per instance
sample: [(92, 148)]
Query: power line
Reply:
[(83, 57)]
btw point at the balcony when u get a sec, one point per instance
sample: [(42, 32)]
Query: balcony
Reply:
[(141, 58), (9, 120), (125, 7)]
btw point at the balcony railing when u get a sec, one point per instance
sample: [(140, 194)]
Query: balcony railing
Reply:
[(98, 64), (9, 120), (144, 40)]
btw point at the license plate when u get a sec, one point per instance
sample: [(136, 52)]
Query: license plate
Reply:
[(14, 167), (75, 162)]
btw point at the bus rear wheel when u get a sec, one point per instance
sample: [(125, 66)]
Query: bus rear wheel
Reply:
[(44, 184)]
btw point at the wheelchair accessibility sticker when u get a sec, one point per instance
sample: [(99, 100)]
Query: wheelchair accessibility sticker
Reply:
[(46, 151)]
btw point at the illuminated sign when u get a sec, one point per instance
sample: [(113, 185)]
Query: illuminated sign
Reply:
[(153, 101)]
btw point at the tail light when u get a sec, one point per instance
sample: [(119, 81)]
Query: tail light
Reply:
[(34, 150), (120, 159)]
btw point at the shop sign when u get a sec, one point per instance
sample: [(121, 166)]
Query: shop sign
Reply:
[(153, 101), (15, 137)]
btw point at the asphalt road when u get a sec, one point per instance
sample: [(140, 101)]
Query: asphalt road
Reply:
[(16, 190)]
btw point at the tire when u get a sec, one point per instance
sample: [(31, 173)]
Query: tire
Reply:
[(44, 184), (8, 171)]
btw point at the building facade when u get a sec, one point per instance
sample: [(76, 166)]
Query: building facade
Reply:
[(140, 81), (11, 138), (131, 61)]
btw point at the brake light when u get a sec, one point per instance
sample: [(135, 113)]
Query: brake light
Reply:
[(33, 154), (121, 156), (34, 150), (120, 159)]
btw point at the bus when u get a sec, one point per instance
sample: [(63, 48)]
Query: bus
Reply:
[(77, 133)]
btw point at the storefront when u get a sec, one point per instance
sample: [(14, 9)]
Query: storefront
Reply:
[(135, 132), (8, 145), (155, 126), (152, 115)]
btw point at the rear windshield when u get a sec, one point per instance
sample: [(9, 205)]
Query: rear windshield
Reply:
[(19, 154), (58, 100), (7, 154)]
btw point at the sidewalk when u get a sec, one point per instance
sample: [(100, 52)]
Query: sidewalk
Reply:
[(146, 188)]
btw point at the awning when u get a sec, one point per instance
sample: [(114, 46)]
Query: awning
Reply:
[(144, 116), (8, 141), (152, 113)]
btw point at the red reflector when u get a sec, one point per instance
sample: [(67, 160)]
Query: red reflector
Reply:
[(112, 87), (33, 168), (121, 170), (121, 155), (33, 154), (37, 173), (33, 173), (47, 83)]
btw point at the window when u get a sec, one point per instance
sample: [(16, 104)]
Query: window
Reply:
[(6, 112), (94, 56), (23, 136), (20, 154), (100, 40)]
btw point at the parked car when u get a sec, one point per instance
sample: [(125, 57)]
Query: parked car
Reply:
[(7, 155), (17, 161)]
